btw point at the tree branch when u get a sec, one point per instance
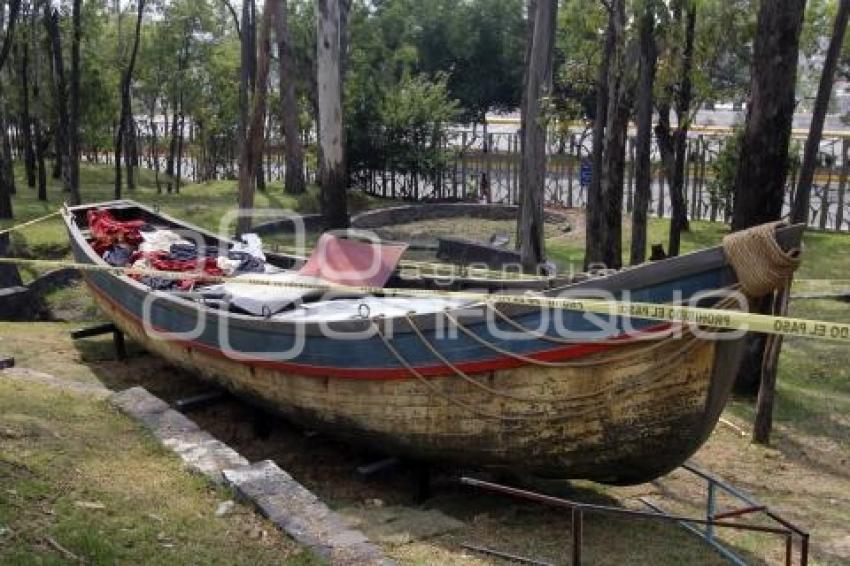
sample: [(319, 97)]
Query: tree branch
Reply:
[(233, 13)]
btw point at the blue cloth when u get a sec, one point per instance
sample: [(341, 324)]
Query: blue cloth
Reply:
[(118, 255)]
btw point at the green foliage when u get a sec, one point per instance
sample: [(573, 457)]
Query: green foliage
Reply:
[(723, 168), (578, 43), (478, 44), (414, 115), (723, 38)]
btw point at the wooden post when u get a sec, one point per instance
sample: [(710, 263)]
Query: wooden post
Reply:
[(770, 364)]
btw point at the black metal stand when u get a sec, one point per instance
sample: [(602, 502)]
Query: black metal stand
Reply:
[(200, 400), (101, 329)]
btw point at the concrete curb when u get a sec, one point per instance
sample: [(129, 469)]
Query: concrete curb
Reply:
[(289, 505)]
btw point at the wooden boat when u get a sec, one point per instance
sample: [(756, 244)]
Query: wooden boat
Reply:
[(616, 409)]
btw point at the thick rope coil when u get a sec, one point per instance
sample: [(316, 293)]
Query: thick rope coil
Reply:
[(760, 264)]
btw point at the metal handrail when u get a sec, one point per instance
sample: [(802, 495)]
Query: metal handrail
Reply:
[(788, 530)]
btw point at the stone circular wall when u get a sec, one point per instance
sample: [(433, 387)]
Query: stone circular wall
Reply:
[(390, 216)]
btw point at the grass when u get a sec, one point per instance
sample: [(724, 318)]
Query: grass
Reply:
[(78, 476), (203, 204)]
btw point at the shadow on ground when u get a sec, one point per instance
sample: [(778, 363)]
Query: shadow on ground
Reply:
[(389, 505)]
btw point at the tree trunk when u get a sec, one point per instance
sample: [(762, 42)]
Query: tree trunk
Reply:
[(763, 164), (531, 11), (26, 120), (253, 148), (60, 102), (679, 217), (800, 212), (293, 150), (7, 176), (332, 170), (595, 209), (130, 151), (180, 136), (155, 145), (770, 365), (74, 113), (614, 150), (533, 181), (248, 58), (643, 152), (126, 110), (39, 142)]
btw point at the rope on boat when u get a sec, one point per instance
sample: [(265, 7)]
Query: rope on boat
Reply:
[(475, 383), (690, 343), (655, 345), (28, 223), (760, 264), (521, 417)]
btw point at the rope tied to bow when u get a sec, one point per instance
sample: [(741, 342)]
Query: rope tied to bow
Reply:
[(760, 264)]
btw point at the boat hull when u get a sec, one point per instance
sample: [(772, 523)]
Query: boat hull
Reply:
[(622, 422), (609, 410)]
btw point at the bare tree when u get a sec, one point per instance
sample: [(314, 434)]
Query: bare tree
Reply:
[(294, 152), (74, 103), (763, 164), (329, 79), (124, 122), (7, 177), (60, 99), (807, 170), (39, 141), (252, 149), (594, 240), (679, 218), (643, 154), (25, 124), (614, 150), (538, 86)]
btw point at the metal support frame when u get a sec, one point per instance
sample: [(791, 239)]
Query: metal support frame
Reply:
[(713, 483), (200, 400), (705, 527), (100, 329)]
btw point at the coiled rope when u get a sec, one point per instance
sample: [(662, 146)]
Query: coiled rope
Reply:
[(760, 264)]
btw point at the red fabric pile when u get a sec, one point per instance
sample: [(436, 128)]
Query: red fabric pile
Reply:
[(163, 261), (107, 231)]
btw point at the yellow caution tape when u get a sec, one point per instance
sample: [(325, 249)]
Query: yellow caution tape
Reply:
[(714, 318)]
